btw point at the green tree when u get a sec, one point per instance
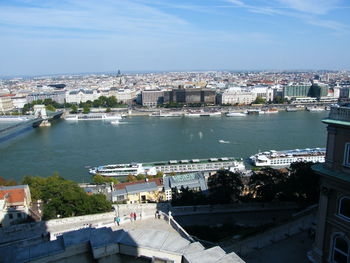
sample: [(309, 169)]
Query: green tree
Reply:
[(131, 178), (303, 184), (50, 108), (86, 109), (74, 109), (141, 177), (108, 110), (259, 100), (99, 179), (225, 187), (64, 198), (267, 184)]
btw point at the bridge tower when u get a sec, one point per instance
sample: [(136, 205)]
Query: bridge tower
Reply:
[(40, 112)]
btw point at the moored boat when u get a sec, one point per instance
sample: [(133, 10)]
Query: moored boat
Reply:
[(285, 158), (92, 116), (172, 166)]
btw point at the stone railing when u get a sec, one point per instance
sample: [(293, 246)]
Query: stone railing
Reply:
[(176, 226), (340, 113)]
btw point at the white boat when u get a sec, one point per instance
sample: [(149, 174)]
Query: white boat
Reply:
[(172, 166), (92, 116), (291, 109), (270, 111), (115, 122), (235, 114), (166, 115), (222, 141), (285, 158), (13, 118), (315, 109), (255, 111), (203, 114)]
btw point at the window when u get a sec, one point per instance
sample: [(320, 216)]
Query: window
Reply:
[(19, 215), (340, 250), (344, 207), (347, 155)]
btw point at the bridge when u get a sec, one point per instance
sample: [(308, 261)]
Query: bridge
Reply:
[(41, 117)]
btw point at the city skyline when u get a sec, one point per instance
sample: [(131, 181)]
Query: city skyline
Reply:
[(56, 37)]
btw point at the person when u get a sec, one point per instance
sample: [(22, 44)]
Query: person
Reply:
[(131, 216), (156, 214), (140, 216), (134, 216), (118, 220)]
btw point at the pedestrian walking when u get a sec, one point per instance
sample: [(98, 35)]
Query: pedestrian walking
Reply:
[(156, 214), (140, 216), (134, 216), (118, 220), (131, 216)]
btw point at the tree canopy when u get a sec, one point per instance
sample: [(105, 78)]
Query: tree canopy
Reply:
[(64, 198), (225, 187)]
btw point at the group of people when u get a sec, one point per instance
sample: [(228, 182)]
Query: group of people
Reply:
[(133, 216)]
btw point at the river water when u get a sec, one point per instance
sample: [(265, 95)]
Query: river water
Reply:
[(71, 147)]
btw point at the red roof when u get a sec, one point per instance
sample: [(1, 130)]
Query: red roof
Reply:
[(14, 195), (7, 95), (158, 181)]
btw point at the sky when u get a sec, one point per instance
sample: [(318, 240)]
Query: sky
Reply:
[(40, 37)]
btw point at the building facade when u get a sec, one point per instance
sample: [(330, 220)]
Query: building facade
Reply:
[(82, 95), (58, 96), (152, 98), (190, 96), (14, 204), (6, 104), (236, 97), (332, 242)]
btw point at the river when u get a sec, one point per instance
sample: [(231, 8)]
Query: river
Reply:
[(71, 147)]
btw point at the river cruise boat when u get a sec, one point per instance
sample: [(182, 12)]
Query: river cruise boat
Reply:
[(93, 116), (172, 166), (203, 114), (236, 114), (7, 118), (166, 114), (285, 158), (271, 111), (315, 109)]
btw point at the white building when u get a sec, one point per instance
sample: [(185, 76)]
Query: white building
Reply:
[(6, 104), (19, 102), (81, 95), (266, 93), (234, 96), (123, 95)]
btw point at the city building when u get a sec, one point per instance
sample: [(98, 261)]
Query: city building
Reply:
[(81, 95), (193, 181), (152, 98), (6, 104), (296, 91), (332, 241), (123, 95), (233, 97), (58, 96), (139, 192), (190, 96), (14, 204)]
